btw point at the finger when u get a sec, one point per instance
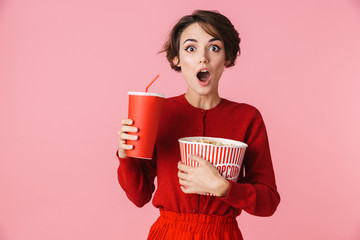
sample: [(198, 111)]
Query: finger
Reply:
[(184, 183), (125, 136), (120, 145), (126, 146), (187, 190), (198, 159), (184, 168), (125, 128), (182, 175), (190, 190), (127, 121)]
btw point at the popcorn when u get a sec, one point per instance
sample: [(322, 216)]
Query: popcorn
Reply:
[(208, 141)]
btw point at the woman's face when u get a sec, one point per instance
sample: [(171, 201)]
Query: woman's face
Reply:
[(202, 60)]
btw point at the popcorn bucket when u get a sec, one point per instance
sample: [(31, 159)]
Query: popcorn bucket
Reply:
[(225, 154)]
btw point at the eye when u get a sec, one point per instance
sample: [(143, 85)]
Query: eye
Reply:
[(214, 48), (190, 49)]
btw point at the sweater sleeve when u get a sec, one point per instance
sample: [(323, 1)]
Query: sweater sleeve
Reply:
[(256, 191), (136, 177)]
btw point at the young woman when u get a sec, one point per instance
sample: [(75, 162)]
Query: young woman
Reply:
[(200, 46)]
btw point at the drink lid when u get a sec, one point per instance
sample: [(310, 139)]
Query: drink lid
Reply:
[(147, 94)]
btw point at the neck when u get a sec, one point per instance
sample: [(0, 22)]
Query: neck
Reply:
[(205, 102)]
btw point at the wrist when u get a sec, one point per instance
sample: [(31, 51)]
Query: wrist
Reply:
[(223, 187)]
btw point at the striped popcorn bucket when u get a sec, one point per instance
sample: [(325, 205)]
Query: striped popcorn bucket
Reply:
[(225, 154)]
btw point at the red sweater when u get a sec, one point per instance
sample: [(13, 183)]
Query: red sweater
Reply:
[(255, 192)]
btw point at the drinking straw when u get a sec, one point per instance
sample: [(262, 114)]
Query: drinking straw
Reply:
[(152, 82)]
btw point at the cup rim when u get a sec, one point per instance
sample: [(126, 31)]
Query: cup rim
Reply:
[(235, 144), (147, 94)]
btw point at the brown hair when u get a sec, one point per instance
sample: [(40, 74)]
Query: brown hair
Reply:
[(215, 24)]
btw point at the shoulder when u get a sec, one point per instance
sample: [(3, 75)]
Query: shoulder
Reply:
[(242, 108), (172, 102), (174, 106), (173, 99)]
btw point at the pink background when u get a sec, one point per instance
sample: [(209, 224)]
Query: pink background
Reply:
[(66, 67)]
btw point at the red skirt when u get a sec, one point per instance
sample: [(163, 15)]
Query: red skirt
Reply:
[(171, 225)]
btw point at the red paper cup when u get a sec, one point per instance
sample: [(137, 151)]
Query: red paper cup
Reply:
[(145, 111), (226, 156)]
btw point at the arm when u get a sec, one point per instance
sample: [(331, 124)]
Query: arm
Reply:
[(136, 177), (255, 191)]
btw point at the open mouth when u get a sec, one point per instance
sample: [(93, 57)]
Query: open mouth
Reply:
[(203, 76)]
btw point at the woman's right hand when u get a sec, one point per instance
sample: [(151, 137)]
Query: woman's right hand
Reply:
[(123, 136)]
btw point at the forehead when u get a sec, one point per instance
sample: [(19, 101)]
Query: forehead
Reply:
[(196, 31)]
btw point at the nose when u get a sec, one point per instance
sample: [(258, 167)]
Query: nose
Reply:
[(203, 57)]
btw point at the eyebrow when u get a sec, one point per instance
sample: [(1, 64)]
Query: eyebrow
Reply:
[(194, 40)]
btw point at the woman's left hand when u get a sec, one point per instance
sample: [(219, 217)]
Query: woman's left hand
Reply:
[(202, 179)]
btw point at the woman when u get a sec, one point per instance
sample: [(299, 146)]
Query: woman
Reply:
[(200, 46)]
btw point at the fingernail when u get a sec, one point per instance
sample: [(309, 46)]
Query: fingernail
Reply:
[(135, 129), (135, 137), (131, 146), (130, 121)]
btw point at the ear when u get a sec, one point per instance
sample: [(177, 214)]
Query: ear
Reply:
[(227, 63), (176, 61)]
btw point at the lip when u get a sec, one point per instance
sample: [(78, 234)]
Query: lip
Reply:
[(208, 81), (203, 68)]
